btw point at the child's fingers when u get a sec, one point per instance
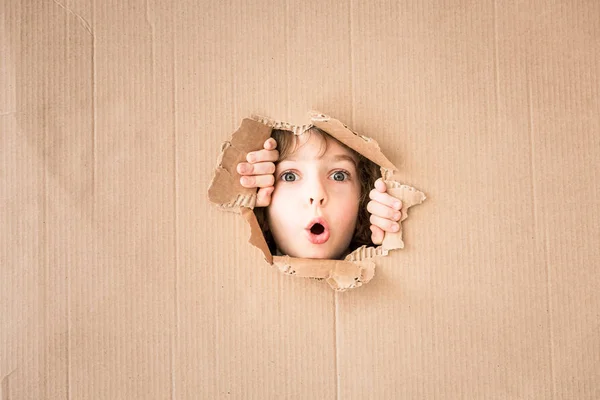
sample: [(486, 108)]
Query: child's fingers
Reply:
[(385, 199), (383, 211), (380, 185), (377, 235), (262, 168), (260, 181), (270, 144), (385, 224), (262, 156), (263, 197)]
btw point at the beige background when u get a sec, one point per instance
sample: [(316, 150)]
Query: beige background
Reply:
[(118, 279)]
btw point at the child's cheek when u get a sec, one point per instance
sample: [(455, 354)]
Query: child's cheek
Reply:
[(284, 196), (344, 191)]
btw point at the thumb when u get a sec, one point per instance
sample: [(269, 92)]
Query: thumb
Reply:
[(376, 235), (380, 185), (263, 197)]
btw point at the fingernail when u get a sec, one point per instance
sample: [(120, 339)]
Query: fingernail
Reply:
[(397, 205), (250, 157), (397, 216), (396, 227)]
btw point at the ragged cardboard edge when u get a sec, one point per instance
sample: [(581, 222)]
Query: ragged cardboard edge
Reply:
[(248, 201), (364, 145), (364, 252), (341, 275), (280, 125), (257, 238), (228, 194), (409, 197), (225, 189)]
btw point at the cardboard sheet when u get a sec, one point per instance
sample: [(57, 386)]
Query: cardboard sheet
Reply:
[(120, 279), (227, 193)]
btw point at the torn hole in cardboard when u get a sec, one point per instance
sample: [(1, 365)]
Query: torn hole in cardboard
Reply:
[(358, 266)]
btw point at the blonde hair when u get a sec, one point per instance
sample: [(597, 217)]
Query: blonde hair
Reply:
[(368, 173)]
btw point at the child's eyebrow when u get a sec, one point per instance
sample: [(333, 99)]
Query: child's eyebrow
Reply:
[(335, 158), (343, 157)]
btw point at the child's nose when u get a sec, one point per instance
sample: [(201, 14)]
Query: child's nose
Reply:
[(317, 200), (316, 192), (317, 196)]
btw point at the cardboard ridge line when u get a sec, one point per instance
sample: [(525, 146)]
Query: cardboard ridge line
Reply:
[(226, 192)]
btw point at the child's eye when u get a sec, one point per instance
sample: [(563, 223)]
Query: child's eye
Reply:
[(289, 176), (340, 176)]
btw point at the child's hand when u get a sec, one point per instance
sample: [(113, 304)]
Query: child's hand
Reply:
[(258, 172), (385, 212)]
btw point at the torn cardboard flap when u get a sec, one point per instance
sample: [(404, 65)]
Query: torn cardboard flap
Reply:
[(256, 236), (339, 274), (364, 145), (226, 192), (225, 189), (409, 197)]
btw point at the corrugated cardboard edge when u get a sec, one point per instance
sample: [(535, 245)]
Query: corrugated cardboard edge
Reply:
[(339, 274), (409, 197), (226, 192), (225, 189)]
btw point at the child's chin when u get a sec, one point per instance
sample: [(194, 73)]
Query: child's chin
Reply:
[(318, 253)]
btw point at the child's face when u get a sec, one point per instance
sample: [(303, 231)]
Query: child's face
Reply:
[(312, 190)]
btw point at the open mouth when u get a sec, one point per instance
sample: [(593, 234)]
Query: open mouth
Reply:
[(317, 231)]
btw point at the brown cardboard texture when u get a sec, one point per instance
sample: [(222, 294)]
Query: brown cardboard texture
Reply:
[(227, 193), (121, 280)]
